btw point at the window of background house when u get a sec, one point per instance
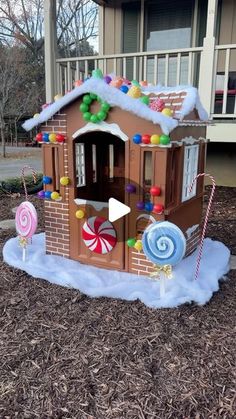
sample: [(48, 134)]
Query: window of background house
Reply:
[(190, 171), (131, 23), (80, 164)]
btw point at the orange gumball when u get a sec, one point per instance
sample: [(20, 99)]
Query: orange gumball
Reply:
[(78, 83)]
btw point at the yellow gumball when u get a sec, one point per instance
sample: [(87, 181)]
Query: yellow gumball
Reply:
[(155, 139), (64, 181), (36, 115), (52, 138), (80, 214), (57, 97), (167, 112), (55, 196), (135, 92), (138, 245)]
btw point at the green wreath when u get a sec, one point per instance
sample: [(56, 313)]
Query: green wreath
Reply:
[(101, 115)]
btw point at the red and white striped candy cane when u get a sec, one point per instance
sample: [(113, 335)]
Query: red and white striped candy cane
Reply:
[(23, 178), (206, 217)]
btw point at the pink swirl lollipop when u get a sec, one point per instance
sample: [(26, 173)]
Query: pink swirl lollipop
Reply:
[(26, 220)]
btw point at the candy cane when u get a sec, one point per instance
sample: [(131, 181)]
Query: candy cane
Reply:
[(23, 178), (206, 217)]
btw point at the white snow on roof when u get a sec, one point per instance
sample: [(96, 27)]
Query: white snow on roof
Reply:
[(115, 97)]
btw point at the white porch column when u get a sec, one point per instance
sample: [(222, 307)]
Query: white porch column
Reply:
[(50, 48), (206, 76)]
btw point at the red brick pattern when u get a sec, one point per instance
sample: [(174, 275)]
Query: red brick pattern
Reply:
[(193, 241), (57, 213)]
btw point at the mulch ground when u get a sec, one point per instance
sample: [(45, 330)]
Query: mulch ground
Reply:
[(64, 355)]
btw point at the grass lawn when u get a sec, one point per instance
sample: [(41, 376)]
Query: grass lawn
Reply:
[(64, 355)]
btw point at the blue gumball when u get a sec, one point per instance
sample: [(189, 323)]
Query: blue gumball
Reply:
[(148, 206), (46, 137), (137, 138), (47, 180), (164, 243), (124, 89), (48, 194)]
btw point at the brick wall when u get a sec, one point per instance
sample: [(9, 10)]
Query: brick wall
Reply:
[(193, 241), (57, 213)]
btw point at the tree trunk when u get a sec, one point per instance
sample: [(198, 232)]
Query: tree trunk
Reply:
[(3, 141), (16, 134)]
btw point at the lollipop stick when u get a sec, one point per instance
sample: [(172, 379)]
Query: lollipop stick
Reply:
[(162, 285), (24, 254)]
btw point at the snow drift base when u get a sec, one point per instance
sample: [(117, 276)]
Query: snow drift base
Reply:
[(96, 282)]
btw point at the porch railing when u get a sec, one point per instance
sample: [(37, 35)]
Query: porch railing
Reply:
[(169, 68), (223, 104)]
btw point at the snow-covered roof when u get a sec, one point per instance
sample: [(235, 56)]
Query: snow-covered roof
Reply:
[(116, 97)]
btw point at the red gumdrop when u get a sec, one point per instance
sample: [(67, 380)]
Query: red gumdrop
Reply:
[(146, 138), (155, 191), (158, 208), (39, 137), (60, 138)]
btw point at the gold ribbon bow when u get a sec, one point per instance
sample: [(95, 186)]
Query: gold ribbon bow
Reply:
[(23, 241), (165, 269)]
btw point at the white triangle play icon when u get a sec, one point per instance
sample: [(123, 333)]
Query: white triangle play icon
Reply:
[(117, 209)]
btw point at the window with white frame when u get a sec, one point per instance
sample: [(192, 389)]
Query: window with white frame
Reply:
[(190, 171), (80, 164)]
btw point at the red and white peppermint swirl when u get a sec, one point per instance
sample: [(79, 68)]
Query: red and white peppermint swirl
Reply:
[(26, 220), (99, 235)]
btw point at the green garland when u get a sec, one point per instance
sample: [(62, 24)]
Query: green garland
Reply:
[(88, 116)]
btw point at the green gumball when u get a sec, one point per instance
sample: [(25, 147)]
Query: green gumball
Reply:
[(164, 139), (135, 83), (145, 100), (101, 115), (105, 107), (87, 116), (131, 242), (83, 107), (97, 73), (93, 96), (94, 119), (87, 99)]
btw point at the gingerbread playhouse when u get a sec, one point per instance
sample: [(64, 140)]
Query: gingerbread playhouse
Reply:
[(141, 145)]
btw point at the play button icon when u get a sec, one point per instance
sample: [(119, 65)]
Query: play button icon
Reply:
[(117, 209)]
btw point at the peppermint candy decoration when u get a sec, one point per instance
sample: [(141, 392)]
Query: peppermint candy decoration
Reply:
[(26, 220), (99, 235), (164, 243), (157, 105)]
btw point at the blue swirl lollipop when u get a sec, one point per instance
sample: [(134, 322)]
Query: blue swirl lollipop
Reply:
[(164, 243)]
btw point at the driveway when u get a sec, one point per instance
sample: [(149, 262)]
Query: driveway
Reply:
[(17, 158)]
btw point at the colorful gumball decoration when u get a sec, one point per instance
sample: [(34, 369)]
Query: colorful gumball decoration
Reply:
[(140, 205), (47, 180), (167, 112), (155, 139), (97, 73), (60, 138), (155, 191), (55, 196), (52, 137), (137, 138), (130, 188), (117, 82), (26, 218), (164, 139), (46, 137), (145, 100), (99, 235), (47, 194), (78, 83), (124, 89), (80, 214), (148, 206), (146, 139), (107, 79), (134, 92), (143, 83), (36, 115), (64, 181), (158, 208), (135, 83), (41, 194), (138, 245), (58, 97), (131, 242), (39, 137)]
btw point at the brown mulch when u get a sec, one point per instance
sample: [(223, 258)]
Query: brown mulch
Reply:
[(64, 355)]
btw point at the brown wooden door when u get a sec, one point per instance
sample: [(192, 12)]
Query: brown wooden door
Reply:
[(99, 160)]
